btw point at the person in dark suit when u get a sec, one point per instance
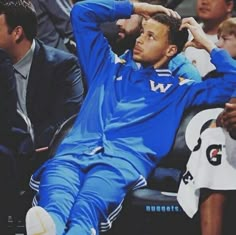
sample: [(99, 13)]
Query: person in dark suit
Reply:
[(48, 80), (54, 27), (8, 99)]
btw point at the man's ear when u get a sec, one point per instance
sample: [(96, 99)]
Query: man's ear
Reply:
[(18, 33), (171, 50)]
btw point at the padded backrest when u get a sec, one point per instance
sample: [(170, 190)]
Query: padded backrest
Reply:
[(168, 173), (194, 121), (60, 134)]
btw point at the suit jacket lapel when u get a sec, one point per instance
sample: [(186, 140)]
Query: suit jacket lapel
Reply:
[(34, 76)]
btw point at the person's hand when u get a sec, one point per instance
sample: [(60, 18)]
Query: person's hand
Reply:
[(148, 10), (199, 40), (219, 120), (227, 118)]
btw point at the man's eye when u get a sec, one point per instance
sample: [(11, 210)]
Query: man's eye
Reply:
[(151, 37)]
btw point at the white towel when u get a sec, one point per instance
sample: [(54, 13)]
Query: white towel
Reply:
[(230, 149), (208, 167)]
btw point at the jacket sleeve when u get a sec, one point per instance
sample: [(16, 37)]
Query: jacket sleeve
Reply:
[(66, 98), (214, 91), (8, 98), (93, 49), (180, 66)]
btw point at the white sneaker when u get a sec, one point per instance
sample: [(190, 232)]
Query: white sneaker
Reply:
[(93, 231), (39, 222)]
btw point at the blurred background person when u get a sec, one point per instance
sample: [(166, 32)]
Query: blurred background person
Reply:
[(54, 27), (48, 81), (8, 102), (210, 13)]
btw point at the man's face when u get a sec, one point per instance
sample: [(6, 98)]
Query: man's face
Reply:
[(6, 38), (213, 9), (128, 27), (227, 42), (152, 44)]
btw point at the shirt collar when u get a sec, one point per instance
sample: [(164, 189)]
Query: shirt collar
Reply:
[(160, 72), (24, 64), (163, 72)]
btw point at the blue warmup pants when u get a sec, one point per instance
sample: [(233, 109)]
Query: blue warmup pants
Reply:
[(85, 192)]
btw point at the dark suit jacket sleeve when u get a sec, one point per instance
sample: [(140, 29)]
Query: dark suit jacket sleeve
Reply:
[(66, 96), (8, 99)]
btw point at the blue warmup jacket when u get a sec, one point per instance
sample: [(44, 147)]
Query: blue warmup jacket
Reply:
[(234, 94), (132, 114), (179, 66)]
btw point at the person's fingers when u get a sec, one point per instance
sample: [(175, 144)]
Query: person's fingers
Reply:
[(148, 10), (229, 117), (189, 23), (191, 43), (168, 11), (190, 20), (219, 120), (174, 13), (146, 17), (229, 106)]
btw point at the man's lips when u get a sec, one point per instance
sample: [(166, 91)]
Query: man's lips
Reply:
[(204, 9), (121, 34), (137, 49)]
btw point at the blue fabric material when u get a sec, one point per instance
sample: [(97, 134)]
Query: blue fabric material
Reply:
[(234, 94), (127, 108), (179, 65), (182, 67), (81, 190), (132, 114)]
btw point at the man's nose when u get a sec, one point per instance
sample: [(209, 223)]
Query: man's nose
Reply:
[(219, 43), (120, 22)]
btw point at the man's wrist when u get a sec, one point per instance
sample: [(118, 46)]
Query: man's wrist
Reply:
[(209, 46), (142, 8), (137, 8)]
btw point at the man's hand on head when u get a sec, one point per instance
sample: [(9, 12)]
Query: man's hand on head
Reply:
[(148, 10), (199, 40)]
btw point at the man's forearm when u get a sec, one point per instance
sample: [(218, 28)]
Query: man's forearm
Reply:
[(200, 39), (148, 10)]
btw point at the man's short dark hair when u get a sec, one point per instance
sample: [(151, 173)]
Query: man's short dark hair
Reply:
[(20, 13), (175, 36)]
